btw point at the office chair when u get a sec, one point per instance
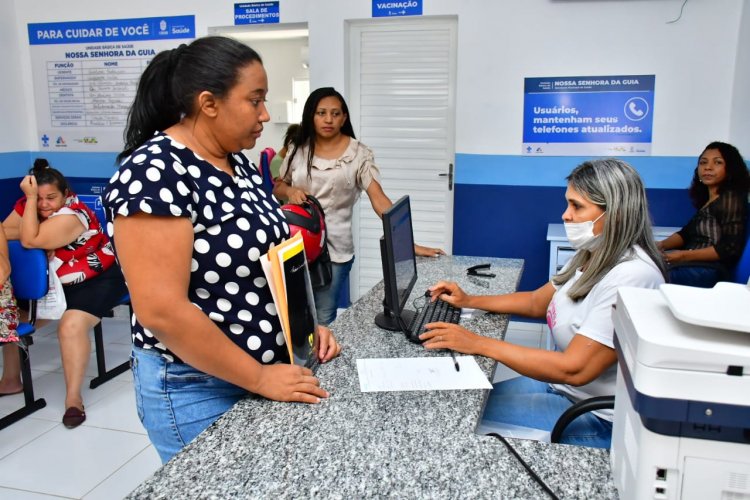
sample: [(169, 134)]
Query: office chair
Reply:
[(28, 274), (265, 168), (742, 270), (578, 409), (94, 202)]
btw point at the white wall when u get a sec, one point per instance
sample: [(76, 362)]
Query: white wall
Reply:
[(740, 120), (15, 124), (500, 43)]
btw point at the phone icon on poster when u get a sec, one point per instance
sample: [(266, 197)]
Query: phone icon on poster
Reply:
[(636, 108)]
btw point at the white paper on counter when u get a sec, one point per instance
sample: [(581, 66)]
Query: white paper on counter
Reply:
[(420, 374)]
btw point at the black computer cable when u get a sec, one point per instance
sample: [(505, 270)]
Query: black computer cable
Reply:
[(526, 466)]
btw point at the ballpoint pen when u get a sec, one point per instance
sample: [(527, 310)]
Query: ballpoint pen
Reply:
[(455, 363)]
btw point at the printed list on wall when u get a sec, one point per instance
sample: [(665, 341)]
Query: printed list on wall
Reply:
[(588, 115), (86, 74)]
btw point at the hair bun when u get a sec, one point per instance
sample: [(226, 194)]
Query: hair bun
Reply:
[(40, 164)]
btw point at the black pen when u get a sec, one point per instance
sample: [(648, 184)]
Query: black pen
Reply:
[(455, 363)]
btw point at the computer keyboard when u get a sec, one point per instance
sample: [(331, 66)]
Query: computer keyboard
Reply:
[(432, 312)]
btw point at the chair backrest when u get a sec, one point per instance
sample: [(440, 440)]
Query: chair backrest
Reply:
[(265, 168), (94, 202), (28, 272), (742, 271)]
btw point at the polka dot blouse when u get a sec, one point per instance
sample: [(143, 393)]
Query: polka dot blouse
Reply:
[(234, 222)]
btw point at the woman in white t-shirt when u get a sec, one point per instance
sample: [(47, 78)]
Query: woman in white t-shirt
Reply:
[(607, 221)]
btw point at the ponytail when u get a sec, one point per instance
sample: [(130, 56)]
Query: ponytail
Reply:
[(154, 107), (174, 78)]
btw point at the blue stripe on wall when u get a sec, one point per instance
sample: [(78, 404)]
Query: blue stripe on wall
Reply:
[(658, 172), (71, 164)]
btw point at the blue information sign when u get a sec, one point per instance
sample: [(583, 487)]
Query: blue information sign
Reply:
[(256, 13), (588, 115), (386, 8), (118, 30)]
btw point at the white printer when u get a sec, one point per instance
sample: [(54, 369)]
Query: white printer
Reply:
[(682, 402)]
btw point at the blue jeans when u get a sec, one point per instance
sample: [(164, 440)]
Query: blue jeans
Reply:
[(327, 297), (176, 402), (700, 276), (527, 402)]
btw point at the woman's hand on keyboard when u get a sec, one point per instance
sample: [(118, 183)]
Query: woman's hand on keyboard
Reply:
[(450, 336), (450, 292)]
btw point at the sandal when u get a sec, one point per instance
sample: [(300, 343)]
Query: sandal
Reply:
[(73, 417)]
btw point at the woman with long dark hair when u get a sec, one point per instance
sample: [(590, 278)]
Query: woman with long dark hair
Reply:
[(709, 246), (328, 162)]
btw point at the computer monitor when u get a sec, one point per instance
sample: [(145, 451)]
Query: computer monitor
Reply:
[(399, 266)]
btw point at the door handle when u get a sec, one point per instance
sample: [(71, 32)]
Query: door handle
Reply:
[(449, 175)]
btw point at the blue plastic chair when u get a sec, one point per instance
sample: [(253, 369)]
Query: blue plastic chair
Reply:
[(94, 202), (742, 270), (265, 169), (28, 274)]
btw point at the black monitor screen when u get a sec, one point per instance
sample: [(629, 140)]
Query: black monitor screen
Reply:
[(399, 261)]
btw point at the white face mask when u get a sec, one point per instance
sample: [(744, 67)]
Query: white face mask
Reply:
[(581, 234)]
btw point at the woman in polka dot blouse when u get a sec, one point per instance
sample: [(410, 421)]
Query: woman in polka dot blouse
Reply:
[(329, 163), (190, 219)]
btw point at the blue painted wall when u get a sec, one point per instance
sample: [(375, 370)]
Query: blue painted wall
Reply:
[(86, 172)]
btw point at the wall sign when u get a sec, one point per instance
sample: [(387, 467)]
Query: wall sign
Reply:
[(385, 8), (256, 13), (588, 115), (86, 74)]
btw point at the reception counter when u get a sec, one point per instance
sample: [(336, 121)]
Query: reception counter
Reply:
[(383, 444)]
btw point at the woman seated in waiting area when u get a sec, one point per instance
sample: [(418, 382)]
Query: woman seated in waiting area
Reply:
[(50, 217), (8, 324), (607, 221), (709, 246)]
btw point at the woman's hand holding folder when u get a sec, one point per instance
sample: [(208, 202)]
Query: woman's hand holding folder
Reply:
[(283, 382)]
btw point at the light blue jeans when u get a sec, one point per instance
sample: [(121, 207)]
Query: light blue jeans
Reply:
[(176, 402), (527, 402), (327, 298)]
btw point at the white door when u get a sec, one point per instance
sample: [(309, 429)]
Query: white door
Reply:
[(401, 91)]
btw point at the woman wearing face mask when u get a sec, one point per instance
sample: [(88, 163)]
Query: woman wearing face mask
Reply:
[(701, 253), (607, 221)]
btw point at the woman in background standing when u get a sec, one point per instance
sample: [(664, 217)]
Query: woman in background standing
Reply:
[(329, 163)]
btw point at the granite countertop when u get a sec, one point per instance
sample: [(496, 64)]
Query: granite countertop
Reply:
[(383, 444)]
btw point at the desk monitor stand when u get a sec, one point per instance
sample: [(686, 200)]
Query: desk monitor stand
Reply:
[(388, 321)]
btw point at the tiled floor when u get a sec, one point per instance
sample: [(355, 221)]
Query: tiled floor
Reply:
[(106, 457), (109, 455)]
